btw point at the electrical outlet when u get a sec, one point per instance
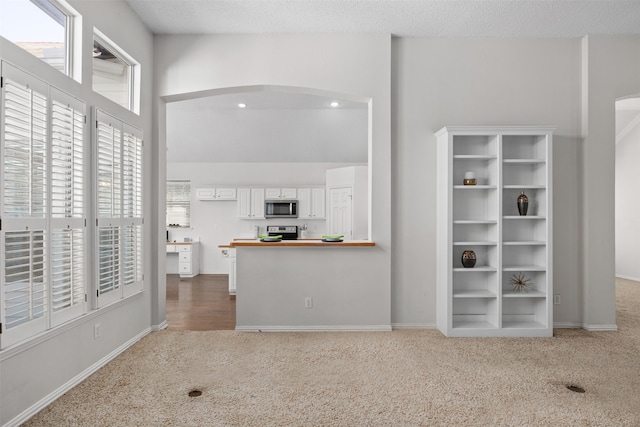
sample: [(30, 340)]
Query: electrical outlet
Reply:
[(308, 302), (556, 299), (96, 331)]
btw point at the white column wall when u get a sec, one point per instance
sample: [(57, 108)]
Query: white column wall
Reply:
[(610, 70)]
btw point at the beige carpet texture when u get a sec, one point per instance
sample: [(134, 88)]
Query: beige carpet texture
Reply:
[(400, 378)]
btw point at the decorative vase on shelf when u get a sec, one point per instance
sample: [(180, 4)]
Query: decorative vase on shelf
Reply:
[(468, 259), (469, 178), (523, 204)]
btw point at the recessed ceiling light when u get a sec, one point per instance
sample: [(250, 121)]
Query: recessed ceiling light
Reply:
[(335, 104), (242, 105)]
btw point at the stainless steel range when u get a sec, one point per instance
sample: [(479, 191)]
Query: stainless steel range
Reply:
[(288, 232)]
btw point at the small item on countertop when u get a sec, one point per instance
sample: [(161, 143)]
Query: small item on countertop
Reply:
[(334, 238), (264, 238)]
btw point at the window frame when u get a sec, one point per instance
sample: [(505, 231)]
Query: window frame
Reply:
[(186, 203), (72, 37), (132, 73)]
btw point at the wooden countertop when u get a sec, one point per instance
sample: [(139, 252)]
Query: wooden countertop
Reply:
[(299, 243)]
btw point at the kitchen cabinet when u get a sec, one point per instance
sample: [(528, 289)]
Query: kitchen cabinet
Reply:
[(482, 172), (311, 203), (216, 194), (188, 257), (281, 193), (232, 275), (251, 203), (230, 254)]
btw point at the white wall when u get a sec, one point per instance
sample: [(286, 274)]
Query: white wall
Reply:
[(355, 65), (438, 82), (627, 205), (441, 82), (216, 222), (41, 369)]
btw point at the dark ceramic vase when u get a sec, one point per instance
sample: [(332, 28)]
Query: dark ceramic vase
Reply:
[(523, 204), (468, 259)]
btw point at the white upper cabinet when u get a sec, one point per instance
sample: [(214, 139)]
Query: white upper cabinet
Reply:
[(216, 194), (311, 203), (281, 194), (251, 203)]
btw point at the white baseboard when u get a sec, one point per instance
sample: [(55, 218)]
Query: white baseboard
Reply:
[(51, 397), (161, 326), (567, 325), (598, 328), (319, 328), (621, 276), (395, 326)]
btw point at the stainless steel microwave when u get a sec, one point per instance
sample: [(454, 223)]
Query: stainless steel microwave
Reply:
[(281, 209)]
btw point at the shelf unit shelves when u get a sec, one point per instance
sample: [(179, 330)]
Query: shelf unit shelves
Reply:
[(484, 218)]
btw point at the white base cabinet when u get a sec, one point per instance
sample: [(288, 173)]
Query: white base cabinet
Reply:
[(484, 217), (188, 257)]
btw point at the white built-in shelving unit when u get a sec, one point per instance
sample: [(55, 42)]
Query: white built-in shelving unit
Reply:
[(484, 218)]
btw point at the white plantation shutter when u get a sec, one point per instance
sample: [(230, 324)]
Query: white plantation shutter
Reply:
[(109, 146), (68, 231), (24, 288), (42, 268), (67, 157), (23, 186), (25, 105), (132, 238), (68, 278), (109, 260), (119, 164)]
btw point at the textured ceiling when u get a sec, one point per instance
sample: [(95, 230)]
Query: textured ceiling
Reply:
[(424, 18)]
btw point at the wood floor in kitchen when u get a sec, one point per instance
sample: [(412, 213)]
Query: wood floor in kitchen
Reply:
[(201, 303)]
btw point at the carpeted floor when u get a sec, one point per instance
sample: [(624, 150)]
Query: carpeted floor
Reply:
[(400, 378)]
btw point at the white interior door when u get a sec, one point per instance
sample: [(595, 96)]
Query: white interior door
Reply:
[(340, 212)]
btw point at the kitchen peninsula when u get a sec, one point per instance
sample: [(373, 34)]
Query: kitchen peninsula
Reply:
[(309, 285)]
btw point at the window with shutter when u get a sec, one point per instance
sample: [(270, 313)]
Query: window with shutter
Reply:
[(119, 215), (25, 125), (42, 268)]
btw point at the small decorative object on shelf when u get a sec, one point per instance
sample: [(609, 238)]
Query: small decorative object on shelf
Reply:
[(523, 204), (468, 259), (520, 283), (469, 179)]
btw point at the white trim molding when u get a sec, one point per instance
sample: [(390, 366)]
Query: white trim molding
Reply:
[(395, 326), (161, 326), (320, 328), (622, 276), (600, 328), (567, 325)]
